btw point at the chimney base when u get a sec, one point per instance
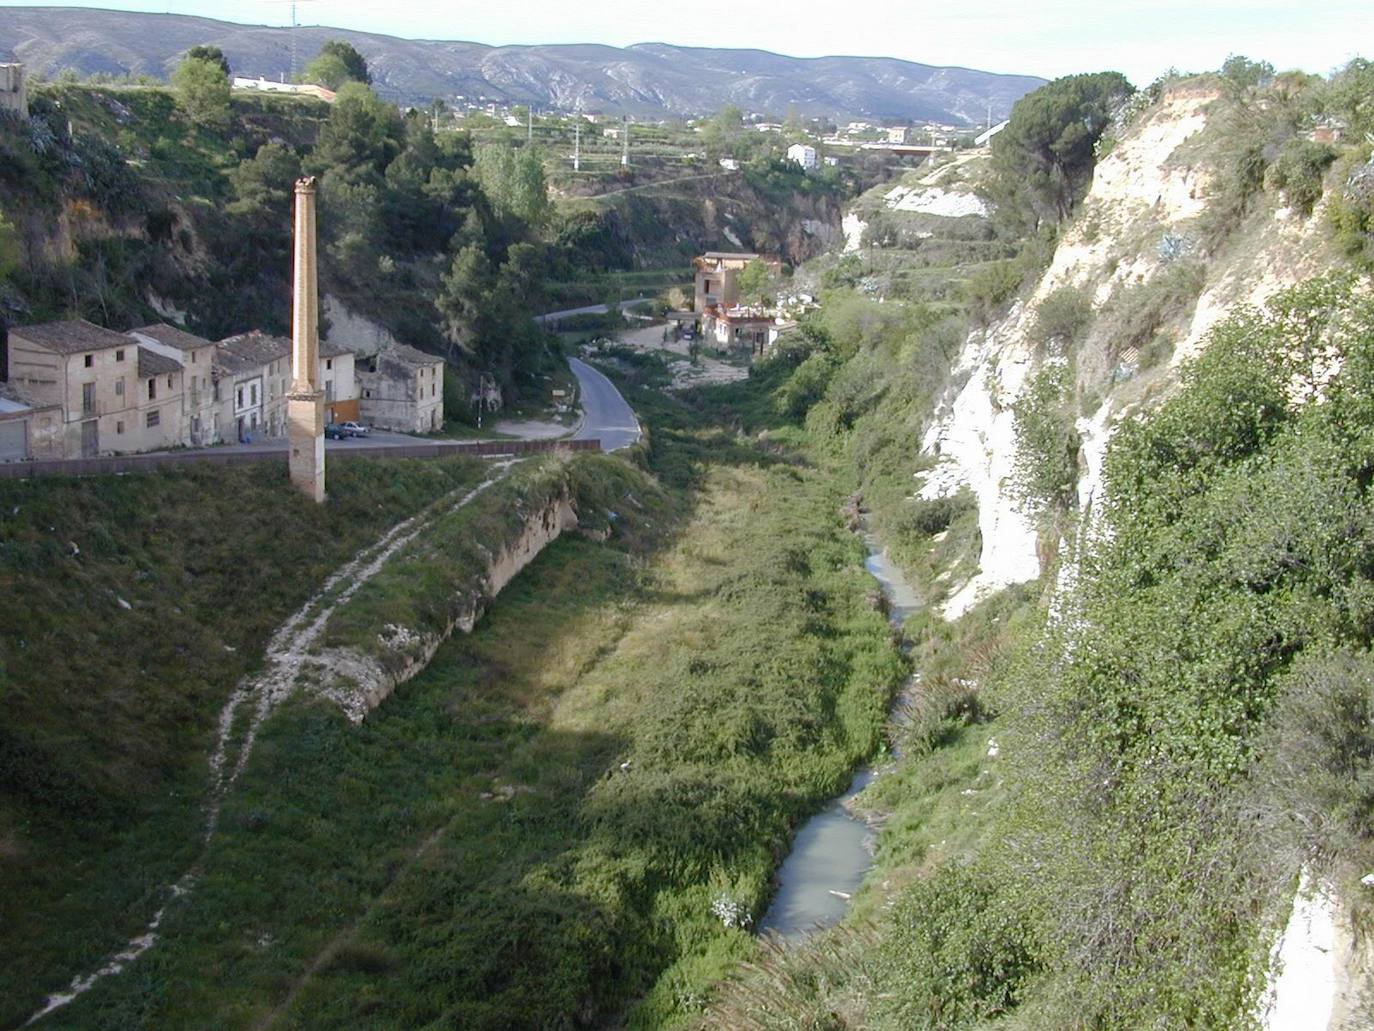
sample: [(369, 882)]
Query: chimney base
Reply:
[(305, 436)]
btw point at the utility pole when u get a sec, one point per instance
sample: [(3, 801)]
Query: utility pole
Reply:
[(529, 124), (577, 148), (989, 125), (624, 141)]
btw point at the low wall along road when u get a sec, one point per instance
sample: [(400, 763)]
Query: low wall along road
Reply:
[(227, 456)]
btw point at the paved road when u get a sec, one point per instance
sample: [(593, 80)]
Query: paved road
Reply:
[(606, 415), (591, 309)]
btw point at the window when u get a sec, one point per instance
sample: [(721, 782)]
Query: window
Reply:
[(119, 355), (329, 363), (90, 360), (169, 382), (253, 394), (153, 418), (119, 427), (329, 390), (119, 387), (87, 398), (238, 398), (194, 356), (152, 389)]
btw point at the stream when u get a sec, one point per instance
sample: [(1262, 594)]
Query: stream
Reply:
[(834, 849)]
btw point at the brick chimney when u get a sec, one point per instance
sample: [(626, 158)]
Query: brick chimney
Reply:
[(305, 401)]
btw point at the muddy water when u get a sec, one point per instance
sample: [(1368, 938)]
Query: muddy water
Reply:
[(834, 850)]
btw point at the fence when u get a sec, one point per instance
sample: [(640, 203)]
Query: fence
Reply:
[(231, 456)]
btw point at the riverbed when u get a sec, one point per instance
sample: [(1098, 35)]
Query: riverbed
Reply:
[(833, 851)]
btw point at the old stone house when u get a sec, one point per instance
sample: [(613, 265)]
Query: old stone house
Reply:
[(737, 328), (113, 396), (197, 358), (403, 389)]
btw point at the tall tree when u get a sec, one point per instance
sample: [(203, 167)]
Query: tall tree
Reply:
[(338, 62), (206, 52), (1043, 160), (202, 87)]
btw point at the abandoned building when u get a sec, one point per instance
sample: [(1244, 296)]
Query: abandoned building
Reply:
[(402, 389), (717, 277)]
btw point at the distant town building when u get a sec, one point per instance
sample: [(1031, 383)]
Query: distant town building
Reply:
[(831, 161), (730, 164), (717, 277), (300, 89), (736, 328), (803, 155), (13, 90), (898, 134)]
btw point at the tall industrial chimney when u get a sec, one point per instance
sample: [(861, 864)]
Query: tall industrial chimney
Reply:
[(305, 401)]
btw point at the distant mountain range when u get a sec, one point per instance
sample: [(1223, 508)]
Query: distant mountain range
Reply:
[(645, 80)]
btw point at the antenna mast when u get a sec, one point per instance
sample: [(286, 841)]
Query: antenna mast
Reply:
[(624, 141), (577, 148)]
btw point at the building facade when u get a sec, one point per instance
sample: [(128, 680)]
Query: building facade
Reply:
[(196, 356), (403, 389), (14, 95), (112, 396), (803, 155)]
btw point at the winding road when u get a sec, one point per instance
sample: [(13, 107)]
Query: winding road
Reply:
[(606, 416)]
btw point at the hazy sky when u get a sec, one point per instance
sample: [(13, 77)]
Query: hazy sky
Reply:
[(1047, 37)]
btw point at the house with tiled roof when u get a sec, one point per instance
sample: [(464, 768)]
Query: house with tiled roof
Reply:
[(196, 356), (253, 373), (113, 395)]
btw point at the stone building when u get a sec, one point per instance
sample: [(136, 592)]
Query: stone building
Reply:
[(112, 395), (28, 431), (13, 90), (403, 389), (252, 372), (196, 356)]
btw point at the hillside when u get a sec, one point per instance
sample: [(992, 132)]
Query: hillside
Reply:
[(648, 80), (1127, 462)]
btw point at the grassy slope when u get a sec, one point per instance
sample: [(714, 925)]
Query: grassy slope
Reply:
[(721, 643), (108, 709)]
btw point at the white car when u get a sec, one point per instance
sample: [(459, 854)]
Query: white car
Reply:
[(356, 429)]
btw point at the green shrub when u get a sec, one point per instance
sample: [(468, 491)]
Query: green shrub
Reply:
[(958, 951), (1061, 318), (1298, 172), (1046, 441)]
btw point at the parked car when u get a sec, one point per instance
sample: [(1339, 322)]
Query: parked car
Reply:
[(335, 431), (356, 429)]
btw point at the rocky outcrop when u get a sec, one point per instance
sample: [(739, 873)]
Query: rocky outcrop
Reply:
[(358, 681), (1140, 216)]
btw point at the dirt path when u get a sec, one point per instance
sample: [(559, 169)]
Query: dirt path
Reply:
[(286, 657)]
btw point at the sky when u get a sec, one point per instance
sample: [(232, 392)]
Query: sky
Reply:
[(1141, 38)]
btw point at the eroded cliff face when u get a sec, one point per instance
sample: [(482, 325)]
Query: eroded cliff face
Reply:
[(1140, 220), (358, 682)]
